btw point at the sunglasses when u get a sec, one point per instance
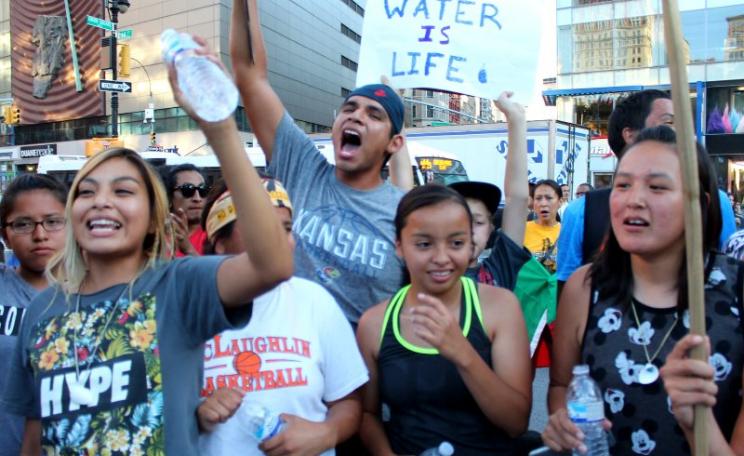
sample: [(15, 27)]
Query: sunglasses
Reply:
[(188, 190)]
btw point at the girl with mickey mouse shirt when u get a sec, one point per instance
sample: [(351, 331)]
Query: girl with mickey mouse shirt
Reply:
[(623, 314)]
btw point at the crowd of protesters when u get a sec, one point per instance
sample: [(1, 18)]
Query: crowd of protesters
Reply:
[(149, 309)]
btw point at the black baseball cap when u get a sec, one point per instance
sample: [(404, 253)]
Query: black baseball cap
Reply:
[(489, 194)]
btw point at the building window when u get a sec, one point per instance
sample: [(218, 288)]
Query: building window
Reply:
[(354, 7), (429, 94), (413, 111), (348, 63), (345, 92), (351, 33), (430, 112)]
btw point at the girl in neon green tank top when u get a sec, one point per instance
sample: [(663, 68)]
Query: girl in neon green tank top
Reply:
[(474, 334)]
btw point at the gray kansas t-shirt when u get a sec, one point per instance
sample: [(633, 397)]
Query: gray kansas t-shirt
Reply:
[(15, 296), (147, 356), (345, 237)]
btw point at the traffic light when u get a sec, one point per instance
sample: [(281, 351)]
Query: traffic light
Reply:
[(124, 60), (153, 138), (12, 115)]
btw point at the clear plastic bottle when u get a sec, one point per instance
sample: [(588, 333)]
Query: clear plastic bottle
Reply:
[(261, 422), (206, 87), (444, 449), (586, 410)]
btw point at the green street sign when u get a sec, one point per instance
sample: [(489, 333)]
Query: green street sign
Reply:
[(124, 34), (100, 23)]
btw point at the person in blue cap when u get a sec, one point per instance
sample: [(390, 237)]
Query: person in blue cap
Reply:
[(344, 212)]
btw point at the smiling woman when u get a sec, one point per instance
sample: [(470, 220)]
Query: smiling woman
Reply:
[(623, 314), (470, 337), (114, 348)]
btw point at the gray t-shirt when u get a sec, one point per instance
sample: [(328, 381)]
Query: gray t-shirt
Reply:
[(146, 348), (15, 296), (345, 237)]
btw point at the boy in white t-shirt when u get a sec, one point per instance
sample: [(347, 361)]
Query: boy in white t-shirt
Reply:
[(297, 356)]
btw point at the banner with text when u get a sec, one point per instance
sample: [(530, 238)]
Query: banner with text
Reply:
[(474, 47)]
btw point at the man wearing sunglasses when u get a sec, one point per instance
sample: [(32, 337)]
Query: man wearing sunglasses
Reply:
[(186, 192)]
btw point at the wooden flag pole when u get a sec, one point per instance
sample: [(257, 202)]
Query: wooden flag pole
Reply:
[(683, 121)]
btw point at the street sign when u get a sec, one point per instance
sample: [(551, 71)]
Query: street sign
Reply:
[(107, 85), (124, 34), (100, 23)]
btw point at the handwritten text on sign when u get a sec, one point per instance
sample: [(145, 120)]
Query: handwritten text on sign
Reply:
[(475, 47)]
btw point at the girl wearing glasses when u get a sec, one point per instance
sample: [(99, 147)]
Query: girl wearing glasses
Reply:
[(32, 220), (114, 349)]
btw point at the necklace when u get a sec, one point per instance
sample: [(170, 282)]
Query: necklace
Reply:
[(79, 394), (650, 373)]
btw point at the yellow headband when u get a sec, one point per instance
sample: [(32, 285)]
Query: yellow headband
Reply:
[(223, 210)]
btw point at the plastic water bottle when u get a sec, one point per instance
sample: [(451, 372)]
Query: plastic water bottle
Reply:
[(262, 423), (586, 409), (444, 449), (206, 87)]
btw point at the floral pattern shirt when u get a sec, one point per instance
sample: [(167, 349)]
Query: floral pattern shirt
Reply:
[(105, 372)]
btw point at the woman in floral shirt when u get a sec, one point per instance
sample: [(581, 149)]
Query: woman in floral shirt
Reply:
[(114, 349)]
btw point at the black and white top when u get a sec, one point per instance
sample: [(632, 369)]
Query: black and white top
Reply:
[(613, 348)]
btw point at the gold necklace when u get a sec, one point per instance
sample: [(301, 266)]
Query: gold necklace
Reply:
[(650, 373)]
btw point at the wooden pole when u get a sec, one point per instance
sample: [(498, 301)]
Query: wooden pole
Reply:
[(683, 122)]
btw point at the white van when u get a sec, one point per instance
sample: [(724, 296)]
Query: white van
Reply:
[(64, 167)]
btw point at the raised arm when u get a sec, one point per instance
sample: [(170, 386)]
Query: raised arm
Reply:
[(516, 190), (268, 257), (248, 52), (401, 170)]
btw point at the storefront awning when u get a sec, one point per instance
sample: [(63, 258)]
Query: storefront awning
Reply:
[(549, 96)]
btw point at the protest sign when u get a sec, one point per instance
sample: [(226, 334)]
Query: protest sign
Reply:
[(474, 47)]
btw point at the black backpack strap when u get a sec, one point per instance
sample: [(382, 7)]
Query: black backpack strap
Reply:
[(596, 222)]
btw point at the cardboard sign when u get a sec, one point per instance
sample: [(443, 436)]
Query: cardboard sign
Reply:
[(474, 47)]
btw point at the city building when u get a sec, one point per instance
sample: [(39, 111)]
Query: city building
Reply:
[(313, 50), (431, 108), (609, 48)]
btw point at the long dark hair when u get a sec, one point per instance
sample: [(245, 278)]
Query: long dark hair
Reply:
[(611, 273)]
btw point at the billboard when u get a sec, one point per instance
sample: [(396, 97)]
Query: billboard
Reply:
[(43, 78)]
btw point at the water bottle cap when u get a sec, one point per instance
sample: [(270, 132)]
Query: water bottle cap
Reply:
[(172, 42), (446, 449), (581, 369)]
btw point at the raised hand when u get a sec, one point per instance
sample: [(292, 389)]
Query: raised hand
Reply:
[(181, 232), (508, 106), (435, 324)]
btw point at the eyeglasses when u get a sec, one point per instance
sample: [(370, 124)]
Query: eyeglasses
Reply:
[(26, 225), (188, 190)]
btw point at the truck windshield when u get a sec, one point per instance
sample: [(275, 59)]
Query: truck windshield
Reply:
[(440, 170)]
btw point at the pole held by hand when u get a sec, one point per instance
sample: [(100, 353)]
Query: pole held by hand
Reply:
[(691, 184)]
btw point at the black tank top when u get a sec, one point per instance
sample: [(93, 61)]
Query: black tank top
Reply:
[(424, 399), (642, 421)]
